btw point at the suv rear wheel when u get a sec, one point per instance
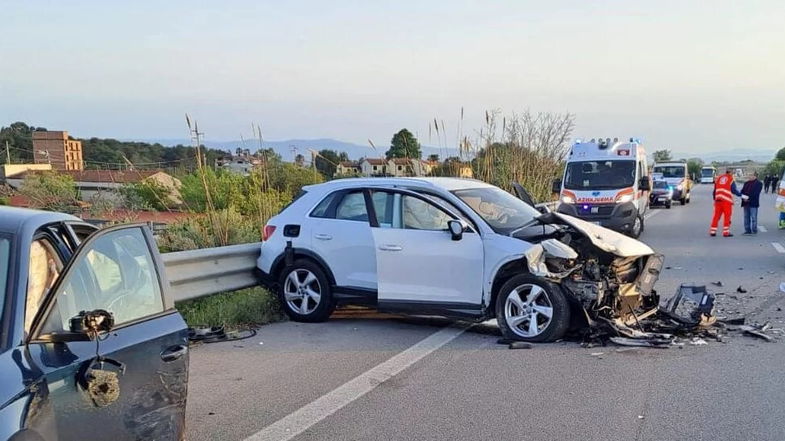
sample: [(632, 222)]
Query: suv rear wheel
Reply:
[(531, 309), (304, 292)]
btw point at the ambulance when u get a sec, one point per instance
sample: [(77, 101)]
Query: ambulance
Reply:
[(606, 182), (677, 175)]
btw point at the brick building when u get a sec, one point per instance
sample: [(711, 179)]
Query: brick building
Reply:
[(55, 148)]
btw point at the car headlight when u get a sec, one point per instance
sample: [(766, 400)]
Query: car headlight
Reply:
[(680, 187), (624, 198), (567, 199)]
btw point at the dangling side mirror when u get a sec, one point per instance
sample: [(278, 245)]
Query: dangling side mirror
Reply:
[(456, 229)]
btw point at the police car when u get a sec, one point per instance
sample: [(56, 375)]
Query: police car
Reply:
[(606, 182)]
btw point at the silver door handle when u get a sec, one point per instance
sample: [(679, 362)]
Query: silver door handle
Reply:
[(323, 236), (390, 247)]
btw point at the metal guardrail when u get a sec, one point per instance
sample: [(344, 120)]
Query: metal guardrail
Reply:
[(198, 273)]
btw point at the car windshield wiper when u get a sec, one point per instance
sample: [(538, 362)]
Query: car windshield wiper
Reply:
[(526, 225)]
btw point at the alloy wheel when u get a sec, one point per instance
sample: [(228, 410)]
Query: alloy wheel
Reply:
[(302, 291), (528, 310)]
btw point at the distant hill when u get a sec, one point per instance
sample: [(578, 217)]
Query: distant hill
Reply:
[(284, 147), (736, 155)]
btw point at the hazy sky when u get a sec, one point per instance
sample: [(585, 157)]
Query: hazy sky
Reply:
[(687, 75)]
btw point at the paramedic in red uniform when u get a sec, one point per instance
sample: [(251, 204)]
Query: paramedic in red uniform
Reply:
[(724, 189)]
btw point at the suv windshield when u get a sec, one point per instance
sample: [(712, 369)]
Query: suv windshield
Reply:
[(599, 175), (660, 184), (5, 249), (501, 210), (670, 171), (707, 172)]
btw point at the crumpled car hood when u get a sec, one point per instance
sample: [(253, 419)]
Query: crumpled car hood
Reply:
[(607, 240)]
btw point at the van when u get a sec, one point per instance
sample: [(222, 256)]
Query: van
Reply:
[(676, 174), (607, 183)]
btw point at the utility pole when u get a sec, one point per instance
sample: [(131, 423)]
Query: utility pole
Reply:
[(7, 153)]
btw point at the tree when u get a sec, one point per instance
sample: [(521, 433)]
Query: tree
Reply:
[(434, 157), (19, 137), (694, 166), (780, 156), (662, 155), (50, 191), (327, 161), (404, 145)]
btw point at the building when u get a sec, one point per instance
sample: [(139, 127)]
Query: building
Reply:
[(348, 168), (374, 167), (57, 149), (11, 170)]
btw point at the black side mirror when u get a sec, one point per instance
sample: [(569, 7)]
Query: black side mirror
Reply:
[(644, 184), (92, 323), (556, 186), (456, 229)]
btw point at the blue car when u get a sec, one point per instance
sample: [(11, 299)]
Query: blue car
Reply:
[(91, 346)]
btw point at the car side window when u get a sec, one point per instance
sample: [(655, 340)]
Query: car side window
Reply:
[(420, 215), (44, 269), (116, 273), (383, 205), (352, 207)]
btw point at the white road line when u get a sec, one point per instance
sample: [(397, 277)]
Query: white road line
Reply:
[(300, 420), (651, 214), (762, 229), (778, 246)]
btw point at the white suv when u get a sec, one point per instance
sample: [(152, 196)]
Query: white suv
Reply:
[(457, 248)]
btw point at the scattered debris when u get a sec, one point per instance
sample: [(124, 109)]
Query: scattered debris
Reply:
[(718, 283), (741, 290), (640, 417), (648, 343), (520, 345), (597, 354), (734, 321), (697, 341), (215, 334), (782, 286), (749, 330)]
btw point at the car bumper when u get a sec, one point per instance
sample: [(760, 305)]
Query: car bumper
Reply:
[(618, 217), (660, 199), (264, 279)]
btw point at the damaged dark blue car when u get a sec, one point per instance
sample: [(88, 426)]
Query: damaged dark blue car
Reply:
[(91, 346)]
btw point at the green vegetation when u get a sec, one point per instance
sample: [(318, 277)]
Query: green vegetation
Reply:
[(247, 307), (662, 156), (19, 138), (50, 191), (147, 195), (404, 145), (326, 161), (694, 166)]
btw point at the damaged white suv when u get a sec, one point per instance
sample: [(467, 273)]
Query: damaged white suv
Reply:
[(457, 248)]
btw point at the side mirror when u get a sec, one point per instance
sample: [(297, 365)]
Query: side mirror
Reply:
[(556, 186), (92, 323), (456, 229), (644, 184)]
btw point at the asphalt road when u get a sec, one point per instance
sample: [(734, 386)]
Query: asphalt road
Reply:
[(358, 377)]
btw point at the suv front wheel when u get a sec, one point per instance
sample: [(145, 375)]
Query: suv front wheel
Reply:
[(532, 309), (304, 292)]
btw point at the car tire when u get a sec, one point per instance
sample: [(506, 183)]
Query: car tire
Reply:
[(668, 205), (637, 228), (683, 201), (305, 281), (515, 309)]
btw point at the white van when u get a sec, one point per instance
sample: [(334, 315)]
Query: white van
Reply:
[(676, 174), (606, 182), (708, 174)]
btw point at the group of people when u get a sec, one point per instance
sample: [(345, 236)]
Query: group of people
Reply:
[(725, 189), (770, 183)]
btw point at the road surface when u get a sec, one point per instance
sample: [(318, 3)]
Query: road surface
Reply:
[(364, 376)]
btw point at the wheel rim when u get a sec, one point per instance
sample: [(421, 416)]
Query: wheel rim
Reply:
[(528, 310), (636, 226), (302, 291)]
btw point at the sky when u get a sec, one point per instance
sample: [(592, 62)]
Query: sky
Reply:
[(692, 76)]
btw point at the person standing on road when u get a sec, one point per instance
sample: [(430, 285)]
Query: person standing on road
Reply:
[(775, 183), (724, 189), (766, 183), (750, 201)]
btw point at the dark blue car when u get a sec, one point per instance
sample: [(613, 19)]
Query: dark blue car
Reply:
[(91, 346)]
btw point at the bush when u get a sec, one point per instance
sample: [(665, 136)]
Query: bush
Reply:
[(225, 227), (50, 191), (146, 195)]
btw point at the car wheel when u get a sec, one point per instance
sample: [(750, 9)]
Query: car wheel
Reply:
[(531, 309), (688, 198), (637, 227), (683, 201), (304, 292), (668, 205)]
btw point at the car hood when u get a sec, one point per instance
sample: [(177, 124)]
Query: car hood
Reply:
[(605, 239)]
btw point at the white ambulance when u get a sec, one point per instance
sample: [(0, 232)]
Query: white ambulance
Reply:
[(676, 174), (606, 182)]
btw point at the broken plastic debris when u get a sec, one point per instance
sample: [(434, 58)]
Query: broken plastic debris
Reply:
[(697, 341), (741, 290), (782, 286), (597, 354), (520, 345), (717, 283)]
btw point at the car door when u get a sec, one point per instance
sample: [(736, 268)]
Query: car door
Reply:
[(420, 267), (128, 383), (341, 237)]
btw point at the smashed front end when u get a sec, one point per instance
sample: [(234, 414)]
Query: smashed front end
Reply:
[(610, 276)]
